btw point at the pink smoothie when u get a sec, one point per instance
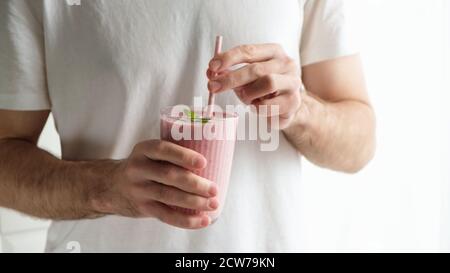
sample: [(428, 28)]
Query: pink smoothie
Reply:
[(214, 139)]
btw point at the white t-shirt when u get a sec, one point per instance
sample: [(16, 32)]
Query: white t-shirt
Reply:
[(105, 68)]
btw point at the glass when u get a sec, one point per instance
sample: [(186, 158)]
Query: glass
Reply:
[(214, 138)]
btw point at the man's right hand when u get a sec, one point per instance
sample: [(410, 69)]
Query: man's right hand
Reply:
[(157, 175), (154, 178)]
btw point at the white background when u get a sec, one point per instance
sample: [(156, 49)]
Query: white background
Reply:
[(400, 202), (397, 203)]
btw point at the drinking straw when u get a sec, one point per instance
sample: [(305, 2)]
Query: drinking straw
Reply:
[(211, 99)]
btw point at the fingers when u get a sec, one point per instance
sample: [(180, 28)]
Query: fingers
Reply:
[(185, 180), (175, 218), (174, 176), (157, 175), (267, 87), (175, 154), (174, 197), (161, 168), (249, 73), (245, 54)]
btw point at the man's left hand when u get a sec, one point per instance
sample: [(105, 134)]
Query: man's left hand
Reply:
[(270, 77)]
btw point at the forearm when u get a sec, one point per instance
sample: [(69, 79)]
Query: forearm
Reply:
[(335, 135), (34, 182)]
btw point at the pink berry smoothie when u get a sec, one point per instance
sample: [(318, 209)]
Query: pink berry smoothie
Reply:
[(214, 138)]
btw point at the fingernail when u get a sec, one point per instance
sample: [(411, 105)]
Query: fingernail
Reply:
[(206, 221), (212, 190), (214, 86), (215, 65), (213, 203)]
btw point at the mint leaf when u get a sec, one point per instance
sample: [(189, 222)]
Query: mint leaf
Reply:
[(190, 114), (195, 118)]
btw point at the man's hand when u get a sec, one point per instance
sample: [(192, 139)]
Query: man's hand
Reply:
[(270, 78), (156, 176), (332, 124)]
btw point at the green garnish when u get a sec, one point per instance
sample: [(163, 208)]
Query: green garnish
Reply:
[(195, 118)]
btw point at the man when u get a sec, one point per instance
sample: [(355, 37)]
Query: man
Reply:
[(105, 68)]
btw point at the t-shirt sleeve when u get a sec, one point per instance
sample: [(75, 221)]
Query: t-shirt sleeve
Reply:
[(23, 84), (325, 34)]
